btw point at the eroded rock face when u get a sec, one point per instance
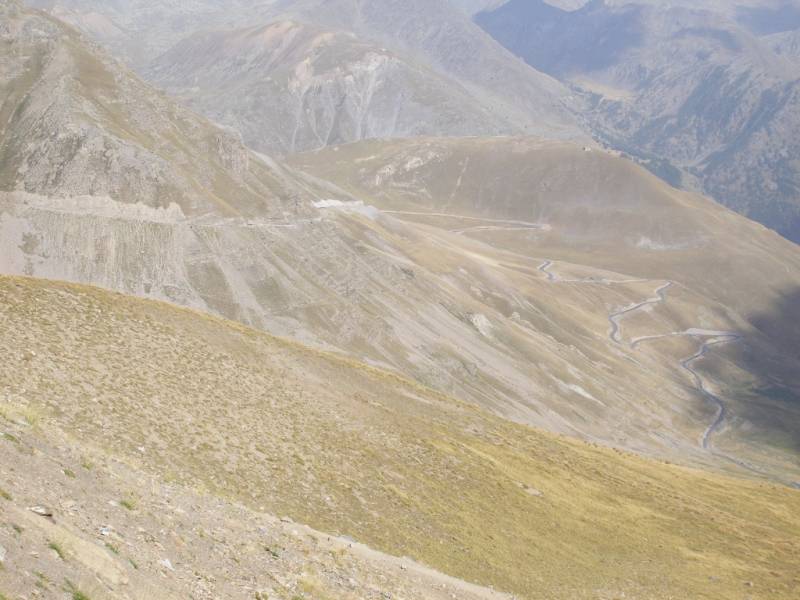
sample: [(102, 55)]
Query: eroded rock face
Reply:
[(291, 87)]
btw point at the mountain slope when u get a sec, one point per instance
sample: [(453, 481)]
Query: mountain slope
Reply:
[(602, 224), (680, 84), (442, 34), (481, 319), (119, 531), (291, 87), (472, 7), (212, 406), (785, 44), (584, 202)]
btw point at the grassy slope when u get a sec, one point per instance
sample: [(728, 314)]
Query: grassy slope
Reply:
[(357, 451)]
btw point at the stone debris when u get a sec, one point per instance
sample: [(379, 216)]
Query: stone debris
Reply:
[(167, 564), (42, 511)]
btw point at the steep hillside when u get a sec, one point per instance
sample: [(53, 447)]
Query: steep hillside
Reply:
[(450, 42), (472, 7), (576, 200), (769, 17), (291, 87), (119, 531), (676, 86), (153, 423), (785, 44)]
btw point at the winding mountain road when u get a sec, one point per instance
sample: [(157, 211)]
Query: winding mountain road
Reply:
[(545, 268), (512, 224), (616, 318), (715, 338), (700, 384)]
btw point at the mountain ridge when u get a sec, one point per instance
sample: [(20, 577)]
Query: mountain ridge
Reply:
[(515, 92)]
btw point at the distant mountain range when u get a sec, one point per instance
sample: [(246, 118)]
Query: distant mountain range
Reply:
[(431, 42), (291, 87), (705, 97), (700, 94)]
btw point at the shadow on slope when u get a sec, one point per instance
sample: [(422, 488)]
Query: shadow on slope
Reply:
[(770, 403), (559, 42)]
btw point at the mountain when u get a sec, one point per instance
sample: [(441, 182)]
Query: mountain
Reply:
[(171, 207), (475, 333), (431, 34), (178, 454), (290, 87), (682, 88), (472, 7), (75, 122), (138, 31), (445, 38), (763, 18)]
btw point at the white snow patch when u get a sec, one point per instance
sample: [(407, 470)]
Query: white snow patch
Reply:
[(708, 332), (576, 389), (356, 206)]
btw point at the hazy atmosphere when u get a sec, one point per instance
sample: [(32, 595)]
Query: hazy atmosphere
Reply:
[(382, 299)]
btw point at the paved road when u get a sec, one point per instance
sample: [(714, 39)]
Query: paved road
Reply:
[(700, 384), (714, 338), (544, 268), (616, 318), (615, 334)]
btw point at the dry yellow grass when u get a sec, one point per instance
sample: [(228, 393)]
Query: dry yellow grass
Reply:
[(353, 450)]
